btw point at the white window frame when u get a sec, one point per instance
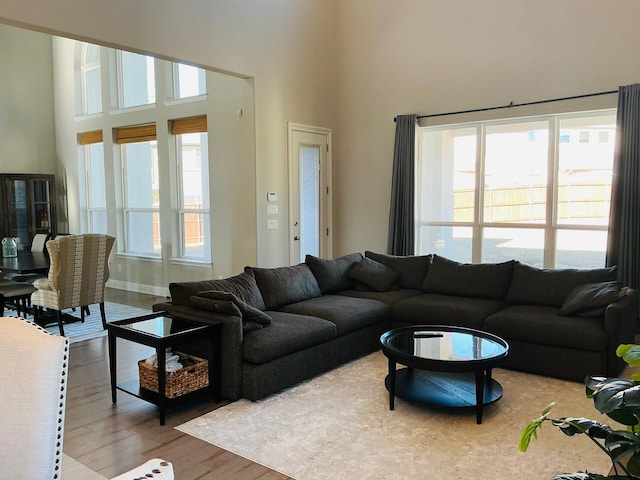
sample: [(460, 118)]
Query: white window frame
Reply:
[(550, 226)]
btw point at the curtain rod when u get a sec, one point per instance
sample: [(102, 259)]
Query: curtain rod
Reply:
[(511, 104)]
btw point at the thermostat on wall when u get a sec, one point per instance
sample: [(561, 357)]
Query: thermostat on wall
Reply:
[(272, 197)]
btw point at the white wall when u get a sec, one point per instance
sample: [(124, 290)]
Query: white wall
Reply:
[(351, 65), (287, 47), (27, 129), (432, 56)]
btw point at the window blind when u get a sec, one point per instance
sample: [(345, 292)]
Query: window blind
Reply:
[(189, 125), (136, 133), (87, 138)]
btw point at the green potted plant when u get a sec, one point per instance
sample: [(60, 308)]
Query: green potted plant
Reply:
[(619, 399)]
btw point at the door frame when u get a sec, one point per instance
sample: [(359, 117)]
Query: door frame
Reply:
[(326, 174)]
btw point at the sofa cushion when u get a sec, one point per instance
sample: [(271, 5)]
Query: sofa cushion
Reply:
[(373, 274), (389, 297), (243, 286), (347, 313), (331, 275), (247, 311), (437, 309), (225, 307), (283, 285), (591, 299), (288, 333), (411, 269), (550, 287), (481, 280), (543, 325)]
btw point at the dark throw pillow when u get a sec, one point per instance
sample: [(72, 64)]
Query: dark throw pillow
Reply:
[(591, 299), (247, 312), (412, 269), (332, 274), (373, 274), (242, 285), (284, 285)]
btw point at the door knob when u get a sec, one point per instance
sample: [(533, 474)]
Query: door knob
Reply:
[(296, 238)]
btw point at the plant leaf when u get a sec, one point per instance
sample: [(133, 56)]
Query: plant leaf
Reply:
[(630, 353)]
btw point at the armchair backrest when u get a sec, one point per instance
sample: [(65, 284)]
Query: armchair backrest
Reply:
[(79, 268), (33, 400)]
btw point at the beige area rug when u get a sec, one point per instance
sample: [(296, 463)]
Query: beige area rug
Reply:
[(339, 426)]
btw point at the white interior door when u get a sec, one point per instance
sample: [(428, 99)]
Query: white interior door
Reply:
[(310, 193)]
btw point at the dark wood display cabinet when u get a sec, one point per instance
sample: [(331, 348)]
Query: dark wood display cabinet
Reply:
[(27, 205)]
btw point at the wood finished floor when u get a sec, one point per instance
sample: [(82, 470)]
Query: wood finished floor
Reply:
[(111, 439)]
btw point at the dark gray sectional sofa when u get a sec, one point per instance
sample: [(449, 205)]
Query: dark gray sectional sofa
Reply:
[(284, 325)]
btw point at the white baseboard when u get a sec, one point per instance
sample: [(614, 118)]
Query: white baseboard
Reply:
[(138, 287)]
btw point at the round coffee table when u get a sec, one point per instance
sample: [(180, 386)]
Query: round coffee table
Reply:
[(446, 366)]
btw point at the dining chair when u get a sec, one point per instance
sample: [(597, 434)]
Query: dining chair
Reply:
[(33, 400), (78, 272)]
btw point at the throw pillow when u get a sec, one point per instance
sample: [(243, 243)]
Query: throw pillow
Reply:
[(478, 280), (332, 274), (247, 311), (591, 299), (373, 274), (284, 285), (226, 307), (550, 287), (412, 269), (243, 286)]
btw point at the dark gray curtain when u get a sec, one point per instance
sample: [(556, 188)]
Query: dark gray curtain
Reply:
[(401, 215), (623, 247)]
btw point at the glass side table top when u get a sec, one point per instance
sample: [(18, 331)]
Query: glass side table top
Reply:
[(161, 326), (447, 344)]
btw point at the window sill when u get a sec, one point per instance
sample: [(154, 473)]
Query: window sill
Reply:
[(134, 256), (191, 263)]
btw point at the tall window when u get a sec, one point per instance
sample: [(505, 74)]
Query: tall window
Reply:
[(188, 81), (543, 185), (95, 191), (193, 178), (140, 189), (90, 78), (136, 79)]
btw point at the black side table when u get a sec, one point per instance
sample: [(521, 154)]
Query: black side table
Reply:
[(160, 331)]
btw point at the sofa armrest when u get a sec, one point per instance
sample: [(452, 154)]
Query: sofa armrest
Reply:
[(620, 323), (232, 337)]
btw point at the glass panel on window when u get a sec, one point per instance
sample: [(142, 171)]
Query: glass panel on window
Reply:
[(585, 170), (194, 215), (580, 249), (143, 233), (446, 241), (96, 188), (190, 81), (98, 221), (523, 244), (196, 228), (91, 79), (515, 183), (138, 85), (448, 175), (141, 165)]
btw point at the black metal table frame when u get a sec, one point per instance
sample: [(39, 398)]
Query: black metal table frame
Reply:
[(199, 330), (482, 368)]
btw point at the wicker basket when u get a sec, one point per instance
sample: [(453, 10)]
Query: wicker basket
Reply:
[(192, 377)]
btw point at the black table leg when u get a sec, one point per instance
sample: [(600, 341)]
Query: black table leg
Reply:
[(392, 384), (480, 383), (161, 356), (112, 365)]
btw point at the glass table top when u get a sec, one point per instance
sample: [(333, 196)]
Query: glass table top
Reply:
[(161, 326), (445, 345)]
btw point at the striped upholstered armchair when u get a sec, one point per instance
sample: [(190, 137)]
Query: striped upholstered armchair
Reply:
[(78, 273)]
